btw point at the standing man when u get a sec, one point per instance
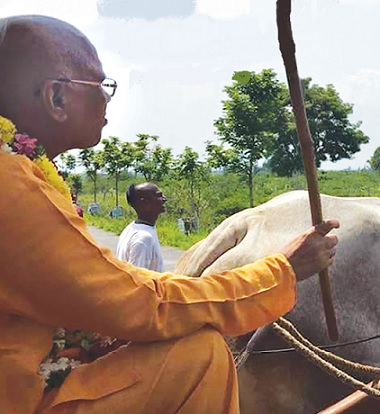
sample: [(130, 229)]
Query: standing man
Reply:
[(138, 243)]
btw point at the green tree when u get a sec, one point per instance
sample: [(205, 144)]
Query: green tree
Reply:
[(68, 162), (219, 158), (374, 162), (117, 157), (334, 136), (250, 122), (76, 183), (92, 161), (150, 159), (196, 173)]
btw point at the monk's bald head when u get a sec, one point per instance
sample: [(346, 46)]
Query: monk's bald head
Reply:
[(35, 48), (40, 56)]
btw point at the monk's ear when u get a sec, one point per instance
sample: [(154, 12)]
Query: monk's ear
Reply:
[(53, 99)]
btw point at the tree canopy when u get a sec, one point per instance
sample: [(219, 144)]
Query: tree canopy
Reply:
[(374, 162), (258, 125), (151, 159), (334, 136), (249, 121), (117, 157)]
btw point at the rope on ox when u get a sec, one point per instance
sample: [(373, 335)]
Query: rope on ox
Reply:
[(330, 363), (326, 360)]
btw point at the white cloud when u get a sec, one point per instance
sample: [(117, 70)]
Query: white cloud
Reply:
[(362, 89), (171, 71), (361, 2), (223, 9), (77, 12), (365, 82)]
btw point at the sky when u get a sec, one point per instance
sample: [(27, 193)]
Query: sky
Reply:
[(172, 59)]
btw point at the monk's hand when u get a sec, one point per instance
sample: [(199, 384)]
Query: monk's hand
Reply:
[(313, 250)]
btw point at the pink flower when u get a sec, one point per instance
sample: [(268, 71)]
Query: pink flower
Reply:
[(25, 145)]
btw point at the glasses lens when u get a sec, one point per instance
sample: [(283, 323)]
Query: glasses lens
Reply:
[(109, 86)]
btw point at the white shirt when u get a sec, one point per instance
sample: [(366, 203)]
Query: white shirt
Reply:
[(138, 244)]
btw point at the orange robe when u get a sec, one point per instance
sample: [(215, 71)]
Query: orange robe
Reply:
[(53, 273)]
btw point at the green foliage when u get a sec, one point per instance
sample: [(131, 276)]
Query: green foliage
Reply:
[(195, 175), (68, 163), (117, 157), (170, 235), (75, 182), (242, 77), (152, 161), (258, 123), (334, 136), (374, 162), (249, 123), (92, 161), (218, 157), (114, 225)]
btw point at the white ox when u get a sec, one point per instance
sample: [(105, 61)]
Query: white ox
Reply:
[(286, 383)]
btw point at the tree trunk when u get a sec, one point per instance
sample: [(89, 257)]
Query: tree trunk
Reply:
[(117, 188), (95, 189), (192, 202), (250, 183)]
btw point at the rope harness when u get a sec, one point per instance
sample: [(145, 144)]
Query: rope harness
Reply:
[(330, 363)]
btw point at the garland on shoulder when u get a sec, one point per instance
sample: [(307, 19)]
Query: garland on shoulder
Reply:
[(70, 348), (12, 142)]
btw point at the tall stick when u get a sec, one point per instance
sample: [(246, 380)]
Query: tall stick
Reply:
[(288, 48)]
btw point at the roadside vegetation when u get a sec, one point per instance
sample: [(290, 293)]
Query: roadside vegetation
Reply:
[(223, 196)]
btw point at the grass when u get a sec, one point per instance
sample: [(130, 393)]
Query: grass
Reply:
[(168, 231)]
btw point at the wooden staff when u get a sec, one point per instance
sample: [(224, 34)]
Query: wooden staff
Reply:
[(357, 402), (288, 48)]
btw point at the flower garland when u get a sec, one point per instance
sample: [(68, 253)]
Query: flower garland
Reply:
[(12, 142), (71, 348)]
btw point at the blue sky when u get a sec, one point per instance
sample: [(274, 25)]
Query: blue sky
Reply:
[(172, 58)]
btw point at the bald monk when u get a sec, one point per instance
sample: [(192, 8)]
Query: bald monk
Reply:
[(53, 273)]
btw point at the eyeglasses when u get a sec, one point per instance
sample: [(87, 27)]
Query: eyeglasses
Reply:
[(108, 85)]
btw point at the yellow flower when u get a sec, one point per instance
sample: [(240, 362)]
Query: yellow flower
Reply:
[(7, 134), (7, 130), (52, 176)]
